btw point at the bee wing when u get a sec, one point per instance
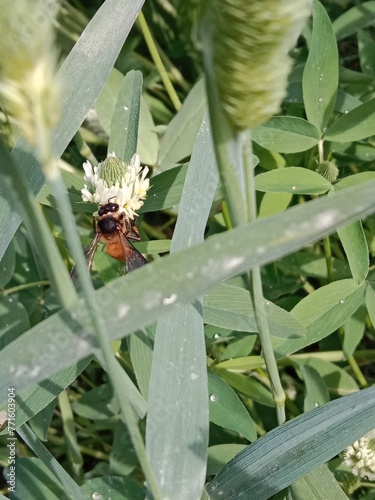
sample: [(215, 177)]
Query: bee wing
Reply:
[(133, 258), (89, 256)]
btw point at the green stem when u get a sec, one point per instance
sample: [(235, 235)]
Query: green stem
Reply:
[(25, 286), (256, 289), (329, 261), (158, 62), (70, 435)]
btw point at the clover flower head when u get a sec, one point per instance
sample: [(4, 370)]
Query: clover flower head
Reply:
[(360, 456), (116, 181)]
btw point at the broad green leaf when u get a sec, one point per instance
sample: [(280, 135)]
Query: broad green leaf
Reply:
[(141, 345), (286, 134), (320, 76), (355, 245), (295, 180), (227, 410), (148, 293), (106, 101), (318, 484), (7, 265), (304, 264), (354, 180), (370, 300), (14, 320), (114, 487), (355, 125), (336, 379), (322, 312), (148, 142), (240, 345), (179, 138), (98, 403), (179, 371), (283, 456), (166, 190), (362, 151), (366, 50), (354, 328), (358, 17), (74, 183), (122, 458), (273, 203), (84, 73), (247, 386), (219, 455), (124, 125), (229, 306), (316, 393)]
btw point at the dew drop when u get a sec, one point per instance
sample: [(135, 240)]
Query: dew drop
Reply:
[(169, 300), (217, 336), (10, 299), (316, 404), (320, 99), (342, 301), (325, 129), (96, 496), (214, 397), (294, 188)]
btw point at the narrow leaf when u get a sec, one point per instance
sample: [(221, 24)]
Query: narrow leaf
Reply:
[(320, 76), (355, 125), (355, 245), (227, 410), (125, 119)]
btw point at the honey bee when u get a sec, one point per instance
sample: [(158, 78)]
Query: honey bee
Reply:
[(112, 227)]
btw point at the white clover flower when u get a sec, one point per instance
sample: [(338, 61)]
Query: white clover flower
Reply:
[(113, 180), (360, 456)]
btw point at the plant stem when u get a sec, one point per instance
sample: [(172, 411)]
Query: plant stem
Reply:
[(158, 62), (256, 289)]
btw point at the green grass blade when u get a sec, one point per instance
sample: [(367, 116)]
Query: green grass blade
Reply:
[(84, 73), (290, 451), (131, 302), (179, 138), (71, 488), (124, 126), (178, 388), (352, 20), (319, 484)]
